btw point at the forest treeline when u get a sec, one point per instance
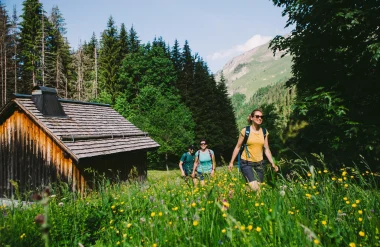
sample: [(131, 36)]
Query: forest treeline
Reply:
[(329, 105), (167, 91)]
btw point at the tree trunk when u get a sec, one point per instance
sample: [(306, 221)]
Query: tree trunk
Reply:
[(96, 73), (15, 63), (166, 161), (57, 72), (43, 50), (5, 75), (66, 87)]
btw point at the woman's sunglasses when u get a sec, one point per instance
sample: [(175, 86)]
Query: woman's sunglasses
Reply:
[(259, 116)]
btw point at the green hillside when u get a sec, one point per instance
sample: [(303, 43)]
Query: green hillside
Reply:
[(255, 69)]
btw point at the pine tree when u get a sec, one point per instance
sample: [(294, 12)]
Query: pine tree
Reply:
[(4, 42), (134, 42), (176, 56), (227, 123), (109, 60), (186, 74), (59, 58), (14, 42), (123, 39), (30, 45), (91, 50)]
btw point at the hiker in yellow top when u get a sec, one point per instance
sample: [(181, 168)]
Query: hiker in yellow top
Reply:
[(256, 138)]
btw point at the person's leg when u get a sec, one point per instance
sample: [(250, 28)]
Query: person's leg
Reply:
[(251, 175), (201, 178), (255, 186), (258, 176)]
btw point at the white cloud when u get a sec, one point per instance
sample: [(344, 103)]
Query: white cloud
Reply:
[(253, 42)]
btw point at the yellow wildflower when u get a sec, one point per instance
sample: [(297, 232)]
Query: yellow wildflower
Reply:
[(113, 206), (360, 219), (129, 225), (258, 229), (316, 241), (352, 244), (324, 222), (353, 205), (309, 174), (224, 231), (344, 173), (256, 204), (360, 211), (308, 196), (345, 198), (193, 204), (152, 214), (154, 245), (325, 171), (118, 242), (224, 215), (195, 223), (357, 201), (361, 234), (250, 227)]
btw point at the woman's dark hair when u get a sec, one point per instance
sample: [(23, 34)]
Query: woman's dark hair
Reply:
[(253, 114), (203, 140)]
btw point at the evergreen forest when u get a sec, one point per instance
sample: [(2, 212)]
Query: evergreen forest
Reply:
[(167, 91)]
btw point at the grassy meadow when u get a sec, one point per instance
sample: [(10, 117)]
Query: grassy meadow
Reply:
[(310, 207)]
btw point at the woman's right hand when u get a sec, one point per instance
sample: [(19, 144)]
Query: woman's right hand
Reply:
[(193, 175), (230, 166)]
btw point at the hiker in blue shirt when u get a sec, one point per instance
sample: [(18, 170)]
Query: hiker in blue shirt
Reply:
[(187, 162), (204, 163)]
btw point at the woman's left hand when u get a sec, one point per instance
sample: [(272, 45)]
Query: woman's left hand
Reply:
[(212, 172)]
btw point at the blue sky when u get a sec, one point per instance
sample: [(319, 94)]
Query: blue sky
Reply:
[(216, 30)]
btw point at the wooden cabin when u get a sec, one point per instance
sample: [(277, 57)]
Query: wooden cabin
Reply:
[(44, 139)]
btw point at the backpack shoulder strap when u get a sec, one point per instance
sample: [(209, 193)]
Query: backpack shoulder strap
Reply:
[(247, 131), (264, 132), (210, 153)]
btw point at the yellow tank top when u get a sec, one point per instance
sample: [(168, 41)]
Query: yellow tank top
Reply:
[(255, 144)]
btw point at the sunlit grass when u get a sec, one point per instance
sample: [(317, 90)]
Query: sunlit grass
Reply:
[(310, 207)]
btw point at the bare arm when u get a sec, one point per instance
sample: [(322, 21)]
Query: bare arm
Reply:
[(195, 166), (181, 168), (269, 154), (236, 151), (213, 165)]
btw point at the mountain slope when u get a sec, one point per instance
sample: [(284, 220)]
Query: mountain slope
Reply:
[(254, 69)]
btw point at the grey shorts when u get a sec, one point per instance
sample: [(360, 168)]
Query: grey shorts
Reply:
[(252, 171)]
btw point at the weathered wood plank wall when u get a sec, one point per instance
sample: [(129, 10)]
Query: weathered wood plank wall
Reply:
[(31, 158)]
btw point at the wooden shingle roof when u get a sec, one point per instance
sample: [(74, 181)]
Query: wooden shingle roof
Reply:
[(89, 129)]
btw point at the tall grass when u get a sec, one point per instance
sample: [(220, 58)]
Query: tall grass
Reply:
[(310, 207)]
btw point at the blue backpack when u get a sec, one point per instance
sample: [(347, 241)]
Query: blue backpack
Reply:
[(247, 131)]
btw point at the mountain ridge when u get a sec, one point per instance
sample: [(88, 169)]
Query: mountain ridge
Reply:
[(254, 69)]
